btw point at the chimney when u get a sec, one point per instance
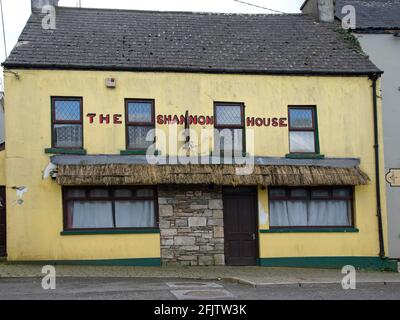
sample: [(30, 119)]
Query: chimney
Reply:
[(37, 5), (322, 10)]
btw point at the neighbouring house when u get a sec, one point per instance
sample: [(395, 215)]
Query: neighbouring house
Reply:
[(98, 98), (377, 29)]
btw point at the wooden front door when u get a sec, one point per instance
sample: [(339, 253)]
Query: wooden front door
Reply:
[(241, 226), (3, 228)]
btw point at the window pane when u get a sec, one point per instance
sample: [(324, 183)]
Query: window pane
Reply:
[(91, 215), (288, 213), (314, 213), (341, 193), (123, 193), (320, 193), (134, 214), (76, 193), (277, 193), (67, 110), (137, 137), (299, 193), (229, 140), (330, 213), (228, 115), (140, 112), (144, 193), (68, 135), (302, 142), (99, 193), (301, 118)]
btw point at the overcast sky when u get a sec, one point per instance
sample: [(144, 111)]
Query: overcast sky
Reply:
[(16, 12)]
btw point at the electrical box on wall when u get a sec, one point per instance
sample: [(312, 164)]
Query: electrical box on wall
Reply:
[(111, 82)]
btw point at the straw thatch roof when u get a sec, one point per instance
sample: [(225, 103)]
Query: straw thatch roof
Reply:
[(227, 175)]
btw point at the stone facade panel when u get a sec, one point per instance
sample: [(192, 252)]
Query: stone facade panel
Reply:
[(191, 224)]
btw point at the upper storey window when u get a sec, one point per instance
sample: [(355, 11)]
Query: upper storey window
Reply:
[(67, 123), (140, 121), (230, 127), (303, 130)]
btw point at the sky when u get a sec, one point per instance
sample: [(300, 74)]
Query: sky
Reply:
[(16, 12)]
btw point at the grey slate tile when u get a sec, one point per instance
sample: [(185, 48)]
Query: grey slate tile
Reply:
[(373, 14), (188, 42)]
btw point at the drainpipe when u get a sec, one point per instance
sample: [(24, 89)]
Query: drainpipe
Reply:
[(374, 78)]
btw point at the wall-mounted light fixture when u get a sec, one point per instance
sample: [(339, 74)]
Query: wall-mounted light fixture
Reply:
[(111, 83)]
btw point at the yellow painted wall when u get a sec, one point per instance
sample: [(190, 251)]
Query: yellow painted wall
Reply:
[(345, 124), (2, 168)]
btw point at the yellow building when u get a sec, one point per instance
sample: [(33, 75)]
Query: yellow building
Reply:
[(91, 103)]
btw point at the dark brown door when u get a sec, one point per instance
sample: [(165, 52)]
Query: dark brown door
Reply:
[(240, 224), (3, 228)]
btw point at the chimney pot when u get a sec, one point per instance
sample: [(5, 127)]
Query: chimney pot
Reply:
[(322, 10), (326, 9), (39, 4)]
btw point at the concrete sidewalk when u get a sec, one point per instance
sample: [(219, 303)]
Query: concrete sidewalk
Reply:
[(254, 276)]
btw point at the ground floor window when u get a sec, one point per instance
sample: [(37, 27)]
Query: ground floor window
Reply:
[(311, 207), (109, 208)]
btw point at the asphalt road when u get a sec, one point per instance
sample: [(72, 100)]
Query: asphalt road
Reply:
[(178, 289)]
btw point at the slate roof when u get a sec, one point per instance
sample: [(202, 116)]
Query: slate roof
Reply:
[(105, 39), (373, 14)]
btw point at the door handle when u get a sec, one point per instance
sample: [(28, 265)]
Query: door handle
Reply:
[(254, 236)]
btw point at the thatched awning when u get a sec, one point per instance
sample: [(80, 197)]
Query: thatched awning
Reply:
[(267, 175)]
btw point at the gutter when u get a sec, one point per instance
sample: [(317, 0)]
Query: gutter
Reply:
[(382, 254), (294, 72)]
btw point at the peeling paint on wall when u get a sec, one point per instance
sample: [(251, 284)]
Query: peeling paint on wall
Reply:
[(263, 208), (20, 192), (263, 216)]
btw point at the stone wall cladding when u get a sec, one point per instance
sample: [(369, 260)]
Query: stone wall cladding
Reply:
[(191, 225)]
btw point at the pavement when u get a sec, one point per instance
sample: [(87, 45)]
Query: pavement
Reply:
[(251, 276), (166, 289)]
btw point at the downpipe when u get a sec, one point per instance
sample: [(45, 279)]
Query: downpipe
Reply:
[(374, 78)]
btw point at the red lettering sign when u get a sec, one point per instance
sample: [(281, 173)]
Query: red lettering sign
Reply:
[(193, 120), (104, 118), (91, 117), (282, 122), (117, 118)]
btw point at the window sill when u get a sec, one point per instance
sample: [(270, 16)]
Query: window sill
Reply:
[(138, 152), (304, 156), (316, 230), (105, 232), (65, 151)]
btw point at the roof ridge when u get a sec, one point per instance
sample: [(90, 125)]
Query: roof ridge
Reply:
[(183, 12)]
